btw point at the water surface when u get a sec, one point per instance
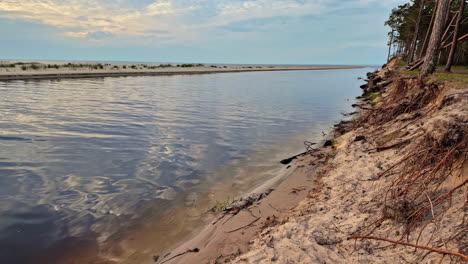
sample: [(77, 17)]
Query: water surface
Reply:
[(89, 158)]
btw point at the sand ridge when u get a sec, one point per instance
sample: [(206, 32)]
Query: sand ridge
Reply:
[(16, 73)]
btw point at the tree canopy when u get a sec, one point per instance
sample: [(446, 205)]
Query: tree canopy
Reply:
[(411, 26)]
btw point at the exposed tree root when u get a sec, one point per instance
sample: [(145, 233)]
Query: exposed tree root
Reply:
[(440, 251)]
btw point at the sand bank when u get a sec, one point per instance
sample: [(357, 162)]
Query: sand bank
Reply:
[(362, 184), (41, 71)]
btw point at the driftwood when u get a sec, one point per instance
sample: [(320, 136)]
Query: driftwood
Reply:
[(309, 149), (440, 251)]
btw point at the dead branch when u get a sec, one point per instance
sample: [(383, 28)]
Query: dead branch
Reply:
[(392, 145), (460, 38), (440, 251), (416, 65)]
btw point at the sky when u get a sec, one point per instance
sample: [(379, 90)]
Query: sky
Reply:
[(205, 31)]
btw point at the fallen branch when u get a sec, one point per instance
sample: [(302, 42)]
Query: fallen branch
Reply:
[(460, 38), (249, 224), (413, 63), (390, 146), (416, 65), (440, 251)]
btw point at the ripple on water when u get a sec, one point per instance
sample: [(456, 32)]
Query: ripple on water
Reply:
[(86, 159)]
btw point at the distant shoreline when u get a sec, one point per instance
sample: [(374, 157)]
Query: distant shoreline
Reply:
[(47, 74)]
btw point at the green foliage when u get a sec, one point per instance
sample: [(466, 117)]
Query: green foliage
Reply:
[(373, 104), (24, 68), (372, 96), (222, 205), (401, 63), (12, 65), (402, 22)]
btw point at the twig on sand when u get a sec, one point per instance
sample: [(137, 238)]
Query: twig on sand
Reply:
[(242, 227), (380, 148), (440, 251), (196, 250)]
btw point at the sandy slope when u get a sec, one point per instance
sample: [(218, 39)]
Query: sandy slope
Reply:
[(333, 194)]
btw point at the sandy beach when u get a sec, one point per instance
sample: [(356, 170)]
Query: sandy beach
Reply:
[(37, 71), (334, 206)]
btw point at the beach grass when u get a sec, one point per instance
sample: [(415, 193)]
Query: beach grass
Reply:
[(222, 205)]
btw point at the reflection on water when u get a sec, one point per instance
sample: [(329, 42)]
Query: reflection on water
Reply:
[(89, 157)]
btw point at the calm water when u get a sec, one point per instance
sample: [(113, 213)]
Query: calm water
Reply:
[(90, 157)]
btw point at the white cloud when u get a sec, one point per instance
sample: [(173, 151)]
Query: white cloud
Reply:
[(172, 20)]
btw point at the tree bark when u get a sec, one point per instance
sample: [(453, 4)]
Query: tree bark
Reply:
[(448, 66), (428, 33), (416, 33), (449, 25), (390, 46), (430, 60)]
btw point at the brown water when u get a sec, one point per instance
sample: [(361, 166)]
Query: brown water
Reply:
[(124, 167)]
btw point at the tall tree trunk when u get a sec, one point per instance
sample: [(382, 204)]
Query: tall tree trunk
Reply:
[(429, 30), (430, 60), (449, 26), (416, 33), (448, 66), (390, 46)]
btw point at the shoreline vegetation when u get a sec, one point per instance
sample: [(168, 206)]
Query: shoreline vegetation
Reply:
[(388, 187), (34, 70)]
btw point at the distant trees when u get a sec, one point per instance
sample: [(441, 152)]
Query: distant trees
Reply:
[(430, 32)]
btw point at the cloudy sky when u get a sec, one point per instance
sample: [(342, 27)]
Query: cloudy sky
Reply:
[(224, 31)]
